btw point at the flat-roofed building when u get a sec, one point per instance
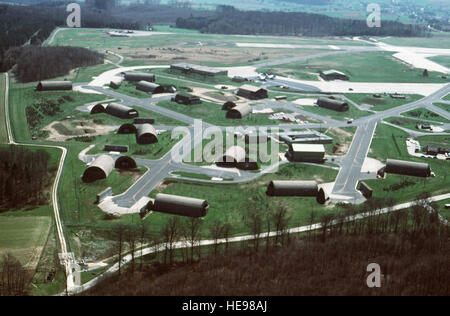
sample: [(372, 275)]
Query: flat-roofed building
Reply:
[(306, 152), (198, 69), (333, 74), (304, 137), (252, 92)]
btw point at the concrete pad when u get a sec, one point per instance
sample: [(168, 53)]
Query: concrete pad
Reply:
[(306, 101), (371, 165)]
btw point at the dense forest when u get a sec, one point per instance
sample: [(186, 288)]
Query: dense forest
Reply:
[(411, 247), (21, 25), (34, 63), (25, 176), (233, 21)]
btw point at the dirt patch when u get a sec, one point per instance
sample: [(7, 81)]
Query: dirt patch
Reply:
[(342, 140), (65, 130)]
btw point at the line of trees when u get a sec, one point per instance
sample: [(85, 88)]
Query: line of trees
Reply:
[(14, 279), (34, 63), (25, 176), (411, 246), (232, 21)]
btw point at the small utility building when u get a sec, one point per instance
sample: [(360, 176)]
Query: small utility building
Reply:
[(187, 99), (179, 205), (252, 92), (292, 188), (306, 152), (54, 85), (333, 75), (333, 104)]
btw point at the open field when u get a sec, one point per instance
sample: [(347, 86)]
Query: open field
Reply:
[(229, 202), (442, 60), (342, 139), (87, 74), (422, 113), (213, 113), (406, 122), (363, 67), (390, 142), (447, 97), (437, 41), (443, 106), (3, 132), (381, 104), (24, 237), (153, 151), (353, 112)]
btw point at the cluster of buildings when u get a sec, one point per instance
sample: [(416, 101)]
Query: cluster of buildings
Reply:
[(103, 165)]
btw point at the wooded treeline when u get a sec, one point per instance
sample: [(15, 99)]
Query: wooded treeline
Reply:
[(234, 21), (34, 63), (21, 25), (411, 246), (25, 177)]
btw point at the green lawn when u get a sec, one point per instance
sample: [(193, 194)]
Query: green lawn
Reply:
[(152, 151), (444, 211), (381, 104), (87, 74), (229, 202), (447, 97), (3, 131), (129, 88), (409, 123), (432, 42), (390, 142), (442, 60), (353, 112), (443, 106), (365, 67), (213, 113), (422, 113), (24, 237)]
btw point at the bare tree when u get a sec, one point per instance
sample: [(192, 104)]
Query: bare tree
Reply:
[(226, 231), (281, 222), (170, 233), (13, 277), (215, 231), (119, 232), (191, 229)]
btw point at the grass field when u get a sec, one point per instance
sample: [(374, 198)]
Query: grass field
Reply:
[(229, 202), (443, 106), (153, 151), (3, 131), (87, 74), (422, 113), (381, 104), (24, 237), (447, 97), (390, 142), (364, 67), (213, 113), (353, 112), (406, 122), (431, 42)]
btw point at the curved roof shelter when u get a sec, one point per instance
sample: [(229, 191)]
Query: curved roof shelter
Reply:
[(99, 169), (146, 134), (292, 188), (121, 111), (180, 205), (232, 157), (228, 105), (127, 128), (149, 87), (408, 168), (333, 104), (98, 108), (239, 111), (322, 196), (125, 162), (139, 76), (54, 85)]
